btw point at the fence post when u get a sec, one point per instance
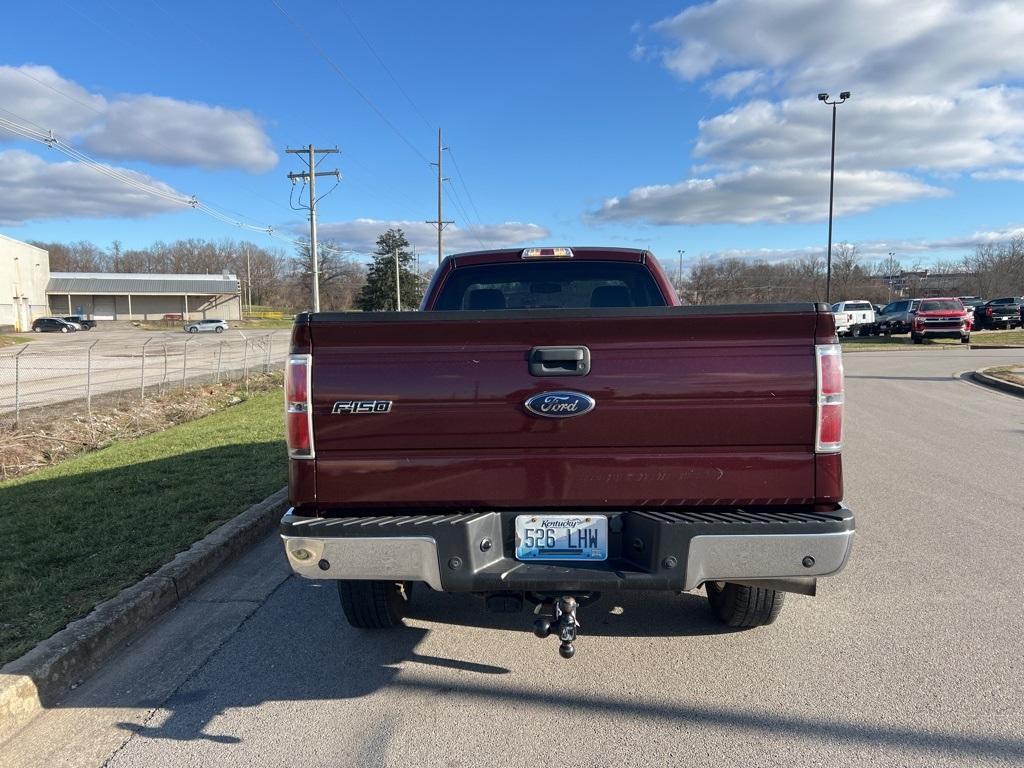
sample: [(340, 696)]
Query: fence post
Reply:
[(184, 364), (220, 354), (142, 377), (17, 386), (245, 365), (88, 379), (266, 357), (163, 380)]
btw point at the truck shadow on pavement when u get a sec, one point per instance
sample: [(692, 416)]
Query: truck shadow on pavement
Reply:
[(313, 657)]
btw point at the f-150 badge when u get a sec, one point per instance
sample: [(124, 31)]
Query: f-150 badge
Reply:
[(362, 406), (560, 405)]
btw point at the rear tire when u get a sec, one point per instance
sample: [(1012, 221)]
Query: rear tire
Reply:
[(743, 607), (374, 604)]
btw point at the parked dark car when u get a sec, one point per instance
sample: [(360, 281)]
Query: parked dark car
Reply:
[(896, 317), (84, 322), (999, 313), (970, 302), (52, 325)]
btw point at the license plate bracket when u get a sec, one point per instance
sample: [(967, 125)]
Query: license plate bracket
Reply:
[(579, 538)]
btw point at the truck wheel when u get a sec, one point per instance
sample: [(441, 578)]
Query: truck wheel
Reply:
[(741, 607), (917, 339), (374, 604)]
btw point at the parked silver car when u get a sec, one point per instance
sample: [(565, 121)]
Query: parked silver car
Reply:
[(199, 326)]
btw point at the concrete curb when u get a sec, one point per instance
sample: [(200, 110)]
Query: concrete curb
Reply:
[(991, 381), (38, 679)]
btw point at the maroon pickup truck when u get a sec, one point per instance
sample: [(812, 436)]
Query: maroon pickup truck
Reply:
[(553, 425)]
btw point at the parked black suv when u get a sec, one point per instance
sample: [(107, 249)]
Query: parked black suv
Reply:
[(52, 325), (86, 323)]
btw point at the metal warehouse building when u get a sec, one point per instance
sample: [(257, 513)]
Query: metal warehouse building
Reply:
[(128, 296)]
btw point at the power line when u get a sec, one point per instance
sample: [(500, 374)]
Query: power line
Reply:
[(458, 172), (348, 80), (101, 113), (166, 192), (384, 66), (470, 228)]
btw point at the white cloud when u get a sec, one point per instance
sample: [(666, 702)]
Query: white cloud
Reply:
[(32, 189), (934, 92), (137, 126), (732, 84), (763, 194), (361, 234), (174, 132), (871, 250), (911, 46), (1002, 174), (980, 128), (31, 91)]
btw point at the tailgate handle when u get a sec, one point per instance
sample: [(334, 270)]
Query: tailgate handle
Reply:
[(559, 361)]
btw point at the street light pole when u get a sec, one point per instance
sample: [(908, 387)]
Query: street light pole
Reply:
[(679, 271), (823, 97)]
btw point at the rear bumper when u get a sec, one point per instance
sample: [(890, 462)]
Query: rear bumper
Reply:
[(664, 549)]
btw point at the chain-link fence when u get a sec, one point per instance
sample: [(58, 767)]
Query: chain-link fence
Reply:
[(43, 374)]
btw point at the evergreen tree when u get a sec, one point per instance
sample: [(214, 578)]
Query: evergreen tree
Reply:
[(378, 294)]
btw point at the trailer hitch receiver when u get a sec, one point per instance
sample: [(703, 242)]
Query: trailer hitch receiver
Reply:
[(558, 617)]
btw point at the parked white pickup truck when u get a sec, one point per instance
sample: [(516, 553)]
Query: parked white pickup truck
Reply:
[(852, 316)]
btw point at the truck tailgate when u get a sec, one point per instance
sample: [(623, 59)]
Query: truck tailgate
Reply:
[(692, 407)]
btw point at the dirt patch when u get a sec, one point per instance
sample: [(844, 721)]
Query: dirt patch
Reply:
[(1011, 373), (43, 439)]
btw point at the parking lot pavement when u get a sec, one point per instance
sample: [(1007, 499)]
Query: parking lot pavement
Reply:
[(912, 656), (137, 336), (57, 368)]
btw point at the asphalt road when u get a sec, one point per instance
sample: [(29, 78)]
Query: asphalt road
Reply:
[(912, 656)]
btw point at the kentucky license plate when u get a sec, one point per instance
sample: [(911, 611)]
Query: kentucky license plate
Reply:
[(561, 537)]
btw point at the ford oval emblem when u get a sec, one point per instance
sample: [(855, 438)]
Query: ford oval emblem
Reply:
[(560, 405)]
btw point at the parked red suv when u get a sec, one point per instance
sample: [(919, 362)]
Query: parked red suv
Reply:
[(945, 317)]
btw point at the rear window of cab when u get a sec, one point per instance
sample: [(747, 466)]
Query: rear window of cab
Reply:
[(549, 285)]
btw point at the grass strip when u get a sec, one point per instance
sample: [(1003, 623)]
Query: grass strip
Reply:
[(77, 533)]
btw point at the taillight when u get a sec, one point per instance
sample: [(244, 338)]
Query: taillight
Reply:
[(829, 428), (298, 407)]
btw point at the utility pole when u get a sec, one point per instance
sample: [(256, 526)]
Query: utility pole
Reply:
[(440, 222), (679, 273), (310, 178), (248, 279), (398, 286)]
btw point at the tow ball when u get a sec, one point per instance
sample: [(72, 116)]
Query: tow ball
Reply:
[(559, 618)]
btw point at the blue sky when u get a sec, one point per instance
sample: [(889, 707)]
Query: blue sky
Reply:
[(656, 125)]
